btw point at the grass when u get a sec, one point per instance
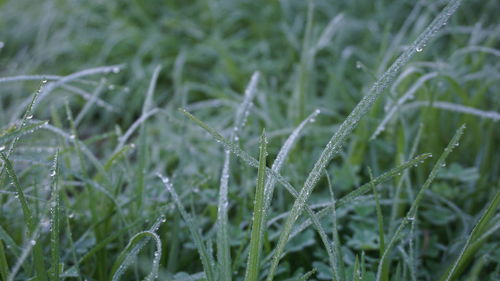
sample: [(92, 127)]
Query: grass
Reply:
[(104, 178)]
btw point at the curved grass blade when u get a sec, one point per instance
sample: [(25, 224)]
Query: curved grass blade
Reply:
[(411, 213), (206, 259), (253, 265), (128, 255)]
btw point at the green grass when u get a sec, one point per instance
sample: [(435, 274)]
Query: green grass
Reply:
[(131, 140)]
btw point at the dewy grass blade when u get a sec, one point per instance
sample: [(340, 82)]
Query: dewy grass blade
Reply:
[(130, 252), (54, 220), (467, 251), (380, 223), (253, 265), (335, 143), (206, 259), (29, 220), (338, 263), (353, 195), (142, 151), (223, 249), (411, 213), (28, 129), (64, 80)]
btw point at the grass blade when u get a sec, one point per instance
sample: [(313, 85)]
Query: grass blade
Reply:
[(142, 151), (253, 266), (130, 252), (54, 220), (468, 250), (40, 269), (338, 264), (206, 259), (223, 248), (28, 129), (411, 213), (380, 223)]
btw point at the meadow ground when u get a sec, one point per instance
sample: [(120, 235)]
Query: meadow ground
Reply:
[(316, 140)]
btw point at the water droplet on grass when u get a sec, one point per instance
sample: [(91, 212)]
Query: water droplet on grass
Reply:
[(419, 49), (2, 148), (29, 117)]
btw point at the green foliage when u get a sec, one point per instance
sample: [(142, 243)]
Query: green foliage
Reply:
[(348, 193)]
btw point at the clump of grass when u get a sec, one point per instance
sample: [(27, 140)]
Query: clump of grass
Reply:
[(81, 157)]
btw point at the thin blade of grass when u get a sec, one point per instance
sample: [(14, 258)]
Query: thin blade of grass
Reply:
[(353, 195), (468, 250), (206, 259), (28, 129), (395, 205), (345, 129), (411, 212), (338, 264), (40, 269), (380, 223), (142, 151), (253, 265), (223, 248), (54, 220)]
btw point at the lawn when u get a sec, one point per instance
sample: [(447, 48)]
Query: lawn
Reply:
[(249, 140)]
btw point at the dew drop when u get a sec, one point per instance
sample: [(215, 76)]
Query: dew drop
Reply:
[(33, 242), (2, 148), (115, 70), (29, 117), (419, 49), (53, 173), (358, 65), (443, 165), (71, 215), (72, 137), (44, 81)]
